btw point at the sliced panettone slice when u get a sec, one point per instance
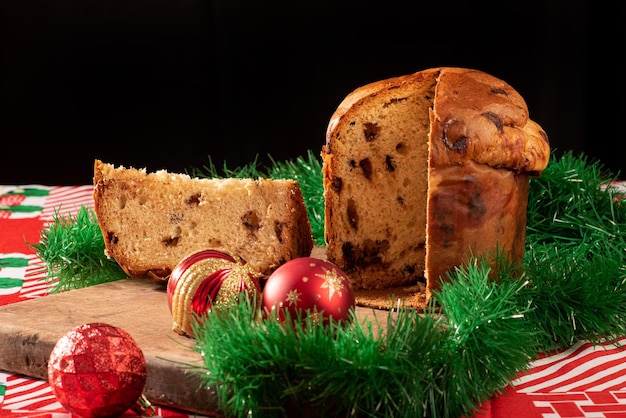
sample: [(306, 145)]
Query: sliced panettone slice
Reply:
[(151, 221)]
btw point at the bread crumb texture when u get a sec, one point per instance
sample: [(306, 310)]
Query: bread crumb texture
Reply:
[(151, 221)]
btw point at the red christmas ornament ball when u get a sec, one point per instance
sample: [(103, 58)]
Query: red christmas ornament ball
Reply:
[(308, 286), (206, 280), (97, 370)]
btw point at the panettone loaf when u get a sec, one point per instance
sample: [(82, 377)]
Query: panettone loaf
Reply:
[(421, 171), (151, 221)]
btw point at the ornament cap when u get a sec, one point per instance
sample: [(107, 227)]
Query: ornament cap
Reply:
[(144, 407)]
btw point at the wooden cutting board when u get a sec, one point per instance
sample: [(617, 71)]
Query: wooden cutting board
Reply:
[(29, 331)]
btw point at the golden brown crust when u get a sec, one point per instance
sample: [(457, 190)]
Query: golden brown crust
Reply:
[(472, 210), (480, 118), (151, 221), (477, 116)]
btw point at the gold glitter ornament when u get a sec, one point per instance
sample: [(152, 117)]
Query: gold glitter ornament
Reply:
[(207, 280)]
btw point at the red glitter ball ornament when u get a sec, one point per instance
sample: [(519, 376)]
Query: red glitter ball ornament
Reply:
[(97, 370), (308, 286)]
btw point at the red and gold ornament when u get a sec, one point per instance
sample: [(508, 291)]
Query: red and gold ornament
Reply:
[(206, 280), (97, 370), (308, 286)]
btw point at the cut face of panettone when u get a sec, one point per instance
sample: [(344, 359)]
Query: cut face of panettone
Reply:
[(152, 221)]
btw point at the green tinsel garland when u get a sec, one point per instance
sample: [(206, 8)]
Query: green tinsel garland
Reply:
[(72, 252), (576, 253), (573, 287), (425, 364)]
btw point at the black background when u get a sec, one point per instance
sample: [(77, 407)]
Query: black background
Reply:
[(170, 84)]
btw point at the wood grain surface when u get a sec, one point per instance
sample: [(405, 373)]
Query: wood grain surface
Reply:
[(29, 331)]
